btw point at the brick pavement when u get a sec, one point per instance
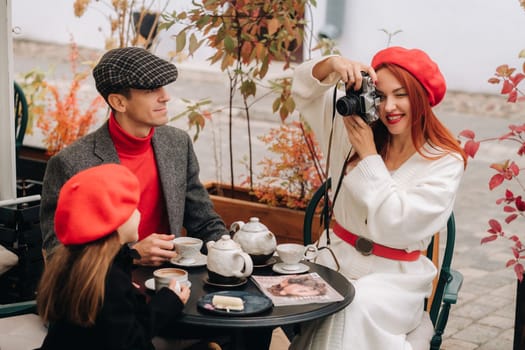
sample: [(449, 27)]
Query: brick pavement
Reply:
[(483, 319)]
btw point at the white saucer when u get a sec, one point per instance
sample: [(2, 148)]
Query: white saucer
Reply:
[(279, 268), (198, 261), (150, 284)]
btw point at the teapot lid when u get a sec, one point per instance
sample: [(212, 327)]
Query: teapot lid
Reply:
[(254, 226), (226, 243)]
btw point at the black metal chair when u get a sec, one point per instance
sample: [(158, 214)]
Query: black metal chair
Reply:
[(20, 326), (21, 115), (447, 284)]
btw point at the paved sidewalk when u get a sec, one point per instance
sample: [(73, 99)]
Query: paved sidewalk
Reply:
[(483, 319)]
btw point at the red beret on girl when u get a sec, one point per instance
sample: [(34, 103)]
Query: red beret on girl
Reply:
[(420, 65), (95, 202)]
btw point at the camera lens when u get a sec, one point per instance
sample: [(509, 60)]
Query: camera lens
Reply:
[(347, 105)]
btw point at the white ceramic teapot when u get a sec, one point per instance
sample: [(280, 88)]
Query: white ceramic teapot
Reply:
[(255, 239), (226, 262)]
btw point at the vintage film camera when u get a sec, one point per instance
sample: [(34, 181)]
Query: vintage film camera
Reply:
[(363, 102)]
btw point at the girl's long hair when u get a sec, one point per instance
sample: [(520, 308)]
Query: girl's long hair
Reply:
[(72, 285), (426, 127)]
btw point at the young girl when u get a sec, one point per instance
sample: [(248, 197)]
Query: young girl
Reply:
[(86, 293), (397, 179)]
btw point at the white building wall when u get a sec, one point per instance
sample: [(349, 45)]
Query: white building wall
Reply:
[(468, 38)]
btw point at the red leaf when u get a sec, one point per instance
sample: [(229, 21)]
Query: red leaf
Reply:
[(517, 78), (511, 218), (494, 80), (509, 195), (521, 150), (507, 87), (514, 168), (495, 181), (520, 204), (471, 148), (513, 96), (514, 238), (488, 239), (510, 262), (506, 136), (516, 253), (495, 225), (518, 268), (468, 134), (509, 209), (517, 128)]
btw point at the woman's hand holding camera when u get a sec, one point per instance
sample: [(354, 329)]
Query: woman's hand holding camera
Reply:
[(350, 71), (360, 135)]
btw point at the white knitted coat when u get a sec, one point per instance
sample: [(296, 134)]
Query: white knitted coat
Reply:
[(402, 210)]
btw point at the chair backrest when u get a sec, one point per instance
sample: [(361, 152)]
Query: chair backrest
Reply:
[(444, 275), (21, 115)]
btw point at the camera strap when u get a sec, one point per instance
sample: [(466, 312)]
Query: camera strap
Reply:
[(327, 212)]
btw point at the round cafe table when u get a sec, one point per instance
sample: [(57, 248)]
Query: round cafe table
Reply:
[(239, 326)]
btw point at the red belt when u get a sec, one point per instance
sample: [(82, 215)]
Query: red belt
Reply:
[(367, 247)]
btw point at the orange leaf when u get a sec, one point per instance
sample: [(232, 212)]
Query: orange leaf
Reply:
[(502, 70), (273, 26)]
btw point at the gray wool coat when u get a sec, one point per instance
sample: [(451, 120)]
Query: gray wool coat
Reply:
[(187, 201)]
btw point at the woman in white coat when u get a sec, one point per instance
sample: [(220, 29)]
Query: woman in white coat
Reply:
[(397, 178)]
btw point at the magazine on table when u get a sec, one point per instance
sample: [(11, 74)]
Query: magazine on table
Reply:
[(297, 289)]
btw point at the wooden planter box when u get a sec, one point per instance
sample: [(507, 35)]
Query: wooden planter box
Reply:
[(286, 224)]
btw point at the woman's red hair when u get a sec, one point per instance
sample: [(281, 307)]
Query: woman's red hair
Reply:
[(426, 127)]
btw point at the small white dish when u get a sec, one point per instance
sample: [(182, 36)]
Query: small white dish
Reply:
[(283, 269), (150, 284), (199, 260)]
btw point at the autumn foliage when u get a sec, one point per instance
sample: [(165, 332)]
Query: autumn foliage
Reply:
[(245, 37), (291, 177), (507, 171), (63, 121)]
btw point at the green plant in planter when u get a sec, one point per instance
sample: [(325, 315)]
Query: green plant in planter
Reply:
[(509, 171), (246, 37)]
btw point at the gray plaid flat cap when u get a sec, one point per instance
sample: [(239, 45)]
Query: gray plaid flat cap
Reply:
[(132, 67)]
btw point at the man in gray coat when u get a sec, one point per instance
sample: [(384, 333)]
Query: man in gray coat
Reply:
[(132, 81)]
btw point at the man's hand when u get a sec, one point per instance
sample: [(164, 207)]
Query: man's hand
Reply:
[(155, 249)]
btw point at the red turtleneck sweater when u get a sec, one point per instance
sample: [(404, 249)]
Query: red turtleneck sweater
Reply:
[(138, 156)]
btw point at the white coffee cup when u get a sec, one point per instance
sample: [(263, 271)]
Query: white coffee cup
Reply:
[(292, 253), (164, 276), (187, 248)]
